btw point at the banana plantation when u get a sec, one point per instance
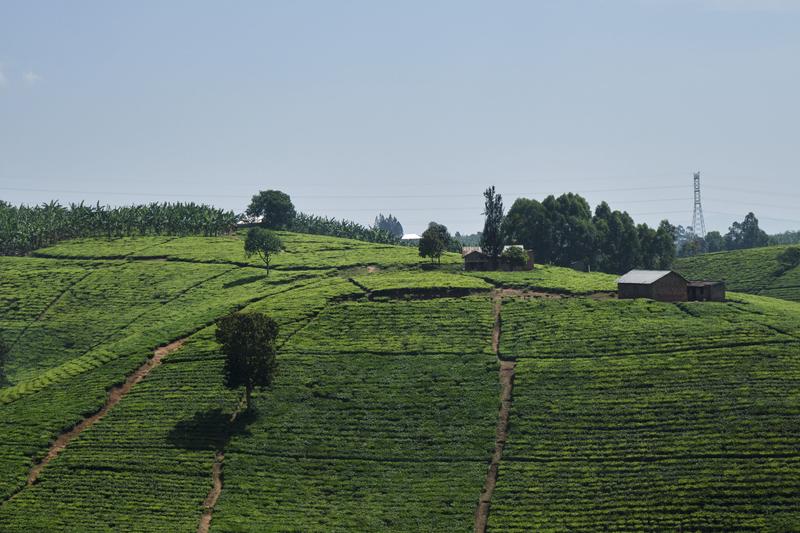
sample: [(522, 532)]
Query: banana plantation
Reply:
[(26, 228)]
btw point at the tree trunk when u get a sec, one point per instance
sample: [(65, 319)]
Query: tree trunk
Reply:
[(248, 396)]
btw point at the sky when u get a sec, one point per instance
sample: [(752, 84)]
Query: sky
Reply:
[(407, 107)]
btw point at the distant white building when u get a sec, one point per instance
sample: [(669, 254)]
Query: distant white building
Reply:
[(410, 237)]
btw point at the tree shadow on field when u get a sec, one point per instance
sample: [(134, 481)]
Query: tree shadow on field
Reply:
[(244, 281), (210, 430)]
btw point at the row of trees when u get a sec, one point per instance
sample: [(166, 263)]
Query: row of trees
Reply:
[(787, 237), (741, 235), (275, 210), (389, 224), (24, 228), (564, 231)]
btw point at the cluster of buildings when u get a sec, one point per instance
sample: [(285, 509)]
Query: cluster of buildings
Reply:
[(660, 285)]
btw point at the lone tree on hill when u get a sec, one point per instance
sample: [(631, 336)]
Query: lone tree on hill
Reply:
[(274, 207), (435, 240), (4, 349), (248, 341), (492, 236), (263, 243)]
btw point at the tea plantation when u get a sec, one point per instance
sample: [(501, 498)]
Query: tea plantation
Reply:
[(755, 271), (625, 415)]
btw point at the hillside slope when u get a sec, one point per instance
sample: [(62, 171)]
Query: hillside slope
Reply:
[(384, 414), (754, 271)]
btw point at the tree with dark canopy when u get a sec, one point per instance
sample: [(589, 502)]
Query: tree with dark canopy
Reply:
[(274, 207), (248, 341), (492, 236), (562, 230), (714, 242), (263, 243), (434, 241), (745, 234), (389, 224)]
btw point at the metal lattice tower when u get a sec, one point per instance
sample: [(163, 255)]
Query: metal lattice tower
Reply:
[(698, 223)]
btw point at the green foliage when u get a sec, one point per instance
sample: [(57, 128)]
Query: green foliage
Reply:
[(714, 242), (563, 231), (4, 349), (301, 251), (625, 414), (434, 282), (754, 270), (389, 224), (787, 237), (347, 229), (262, 243), (434, 241), (24, 228), (745, 234), (552, 279), (788, 259), (274, 208), (515, 257), (248, 341), (435, 326), (492, 236), (648, 416), (369, 418)]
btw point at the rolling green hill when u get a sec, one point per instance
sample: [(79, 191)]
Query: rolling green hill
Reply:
[(386, 414), (754, 271)]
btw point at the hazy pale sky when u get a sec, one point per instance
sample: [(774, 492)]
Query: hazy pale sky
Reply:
[(408, 107)]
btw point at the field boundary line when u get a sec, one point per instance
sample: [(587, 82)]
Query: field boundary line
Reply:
[(36, 384), (653, 458), (506, 377), (53, 302), (114, 396)]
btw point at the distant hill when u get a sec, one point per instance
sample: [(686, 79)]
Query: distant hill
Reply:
[(755, 271)]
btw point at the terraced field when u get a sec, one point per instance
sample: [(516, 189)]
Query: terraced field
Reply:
[(385, 414), (754, 271), (642, 415)]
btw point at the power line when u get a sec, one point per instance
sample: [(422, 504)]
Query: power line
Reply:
[(326, 196)]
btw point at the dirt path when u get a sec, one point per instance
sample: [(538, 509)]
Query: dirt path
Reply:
[(114, 396), (216, 481), (213, 494), (501, 434)]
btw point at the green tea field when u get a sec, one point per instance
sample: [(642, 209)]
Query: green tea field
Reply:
[(754, 271), (408, 397)]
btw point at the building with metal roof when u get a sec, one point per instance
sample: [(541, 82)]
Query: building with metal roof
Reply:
[(661, 285)]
